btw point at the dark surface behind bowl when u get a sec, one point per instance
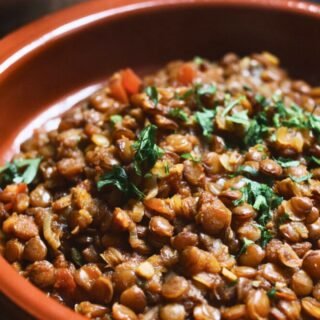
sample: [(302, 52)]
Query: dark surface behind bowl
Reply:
[(145, 41)]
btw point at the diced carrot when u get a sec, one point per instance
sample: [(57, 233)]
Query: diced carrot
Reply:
[(22, 188), (130, 81), (117, 90), (186, 74)]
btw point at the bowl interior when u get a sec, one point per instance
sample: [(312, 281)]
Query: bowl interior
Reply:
[(145, 37)]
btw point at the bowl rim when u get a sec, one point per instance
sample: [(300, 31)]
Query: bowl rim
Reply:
[(17, 47)]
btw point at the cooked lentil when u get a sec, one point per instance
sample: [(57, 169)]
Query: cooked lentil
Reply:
[(191, 194)]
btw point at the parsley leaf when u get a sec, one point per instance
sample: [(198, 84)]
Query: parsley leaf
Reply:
[(118, 178), (266, 236), (115, 119), (76, 257), (199, 91), (264, 200), (152, 93), (204, 118), (147, 152), (315, 160), (189, 156), (231, 105), (272, 293), (261, 100), (301, 179), (20, 170), (257, 130), (179, 114), (198, 60), (240, 118), (284, 218), (248, 170), (287, 163), (245, 245)]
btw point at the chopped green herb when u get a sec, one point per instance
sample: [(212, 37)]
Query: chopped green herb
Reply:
[(198, 60), (272, 293), (240, 118), (76, 257), (301, 179), (18, 171), (315, 160), (261, 100), (115, 119), (246, 87), (266, 236), (257, 130), (205, 89), (232, 283), (166, 168), (231, 105), (245, 245), (248, 170), (118, 178), (205, 120), (189, 156), (147, 152), (152, 93), (283, 219), (261, 197), (179, 114), (287, 163), (199, 91)]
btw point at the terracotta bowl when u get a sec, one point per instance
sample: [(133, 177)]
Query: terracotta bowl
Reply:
[(48, 65)]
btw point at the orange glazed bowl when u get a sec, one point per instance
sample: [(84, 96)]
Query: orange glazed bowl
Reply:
[(50, 64)]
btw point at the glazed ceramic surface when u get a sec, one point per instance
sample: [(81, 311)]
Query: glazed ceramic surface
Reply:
[(51, 64)]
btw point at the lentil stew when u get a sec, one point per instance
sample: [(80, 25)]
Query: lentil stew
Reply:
[(191, 194)]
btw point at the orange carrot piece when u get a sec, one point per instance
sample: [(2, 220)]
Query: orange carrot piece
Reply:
[(117, 90), (130, 81), (186, 74)]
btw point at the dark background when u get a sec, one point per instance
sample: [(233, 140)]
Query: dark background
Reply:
[(14, 14)]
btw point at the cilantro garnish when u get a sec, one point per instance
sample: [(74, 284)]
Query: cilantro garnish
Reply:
[(147, 152), (284, 218), (264, 200), (179, 114), (20, 170), (257, 130), (118, 178), (189, 156), (231, 105), (240, 118), (199, 91), (315, 160), (287, 163), (205, 120), (301, 179), (115, 119), (248, 170), (76, 257), (261, 100), (272, 293), (245, 245), (266, 236), (152, 93), (198, 60)]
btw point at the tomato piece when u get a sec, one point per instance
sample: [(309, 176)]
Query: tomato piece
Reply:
[(186, 74), (117, 90), (130, 81)]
